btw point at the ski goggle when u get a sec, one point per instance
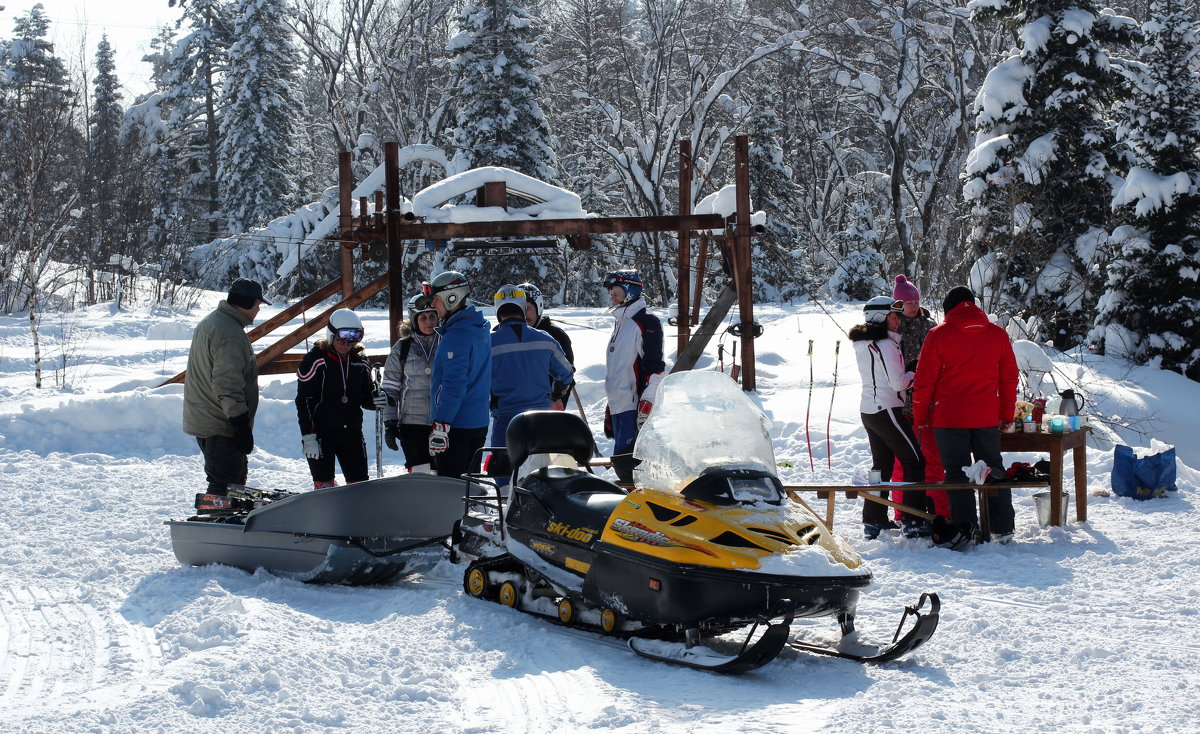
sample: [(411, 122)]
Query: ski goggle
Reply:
[(349, 336), (423, 302), (504, 295), (427, 289)]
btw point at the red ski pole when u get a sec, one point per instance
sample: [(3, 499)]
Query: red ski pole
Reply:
[(808, 411), (829, 441)]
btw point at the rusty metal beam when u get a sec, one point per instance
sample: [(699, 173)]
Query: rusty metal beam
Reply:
[(345, 219), (741, 246), (683, 282), (395, 245), (542, 227)]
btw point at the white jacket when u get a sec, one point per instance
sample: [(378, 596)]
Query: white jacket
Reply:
[(881, 367), (635, 358)]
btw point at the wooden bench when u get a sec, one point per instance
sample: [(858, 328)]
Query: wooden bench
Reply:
[(829, 491)]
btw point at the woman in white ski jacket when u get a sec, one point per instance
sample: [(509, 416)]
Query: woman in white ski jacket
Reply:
[(884, 380)]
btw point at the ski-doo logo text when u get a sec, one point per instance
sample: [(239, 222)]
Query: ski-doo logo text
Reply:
[(583, 535)]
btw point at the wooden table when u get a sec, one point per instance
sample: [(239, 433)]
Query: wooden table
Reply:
[(1057, 444)]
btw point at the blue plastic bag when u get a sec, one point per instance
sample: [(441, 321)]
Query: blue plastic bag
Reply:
[(1145, 474)]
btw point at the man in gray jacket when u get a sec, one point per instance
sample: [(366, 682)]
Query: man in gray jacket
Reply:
[(220, 392)]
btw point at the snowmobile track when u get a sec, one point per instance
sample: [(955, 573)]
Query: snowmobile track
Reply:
[(57, 652)]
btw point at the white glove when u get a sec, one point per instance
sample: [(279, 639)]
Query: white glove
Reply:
[(439, 438), (380, 399), (643, 413), (312, 447)]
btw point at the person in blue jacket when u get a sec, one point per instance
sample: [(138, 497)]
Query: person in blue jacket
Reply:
[(460, 386), (526, 365)]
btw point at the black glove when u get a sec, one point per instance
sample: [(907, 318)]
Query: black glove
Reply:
[(391, 433), (910, 365), (608, 424), (243, 436)]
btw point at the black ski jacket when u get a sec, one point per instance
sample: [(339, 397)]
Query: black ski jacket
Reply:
[(323, 379)]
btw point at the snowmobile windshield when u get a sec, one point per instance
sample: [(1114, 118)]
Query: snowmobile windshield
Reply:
[(701, 420)]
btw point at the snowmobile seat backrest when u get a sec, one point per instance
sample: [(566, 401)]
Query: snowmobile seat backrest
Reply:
[(548, 431)]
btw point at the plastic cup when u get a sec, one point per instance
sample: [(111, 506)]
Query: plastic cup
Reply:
[(1057, 424)]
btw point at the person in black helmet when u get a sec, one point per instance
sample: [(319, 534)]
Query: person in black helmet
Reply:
[(462, 376), (220, 392), (634, 367)]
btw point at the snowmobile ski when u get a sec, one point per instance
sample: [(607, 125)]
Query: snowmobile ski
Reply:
[(923, 628), (752, 656)]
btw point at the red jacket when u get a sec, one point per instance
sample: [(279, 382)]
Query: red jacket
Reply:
[(967, 373)]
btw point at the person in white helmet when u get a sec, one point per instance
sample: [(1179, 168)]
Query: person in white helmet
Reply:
[(407, 376), (535, 309), (462, 376), (881, 407), (334, 387), (526, 365)]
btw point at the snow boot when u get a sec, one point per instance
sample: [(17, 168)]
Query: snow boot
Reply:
[(917, 527), (871, 531), (955, 536)]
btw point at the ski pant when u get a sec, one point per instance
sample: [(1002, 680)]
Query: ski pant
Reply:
[(935, 499), (350, 450), (891, 438), (625, 432), (224, 463), (956, 447), (414, 442), (458, 458)]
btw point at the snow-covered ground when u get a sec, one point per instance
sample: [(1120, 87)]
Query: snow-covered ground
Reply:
[(1086, 628)]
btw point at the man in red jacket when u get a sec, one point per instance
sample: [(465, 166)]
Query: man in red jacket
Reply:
[(966, 389)]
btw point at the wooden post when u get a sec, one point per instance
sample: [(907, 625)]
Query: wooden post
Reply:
[(395, 251), (346, 219), (682, 322), (741, 246)]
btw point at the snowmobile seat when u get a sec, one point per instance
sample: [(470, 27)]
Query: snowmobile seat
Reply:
[(545, 432), (565, 492)]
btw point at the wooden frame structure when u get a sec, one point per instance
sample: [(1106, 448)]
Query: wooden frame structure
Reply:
[(382, 236)]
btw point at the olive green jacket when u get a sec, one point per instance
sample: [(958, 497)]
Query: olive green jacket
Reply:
[(222, 377)]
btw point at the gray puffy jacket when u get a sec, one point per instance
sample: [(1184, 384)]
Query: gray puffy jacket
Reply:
[(408, 384)]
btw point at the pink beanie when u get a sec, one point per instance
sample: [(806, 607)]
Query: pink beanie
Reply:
[(904, 290)]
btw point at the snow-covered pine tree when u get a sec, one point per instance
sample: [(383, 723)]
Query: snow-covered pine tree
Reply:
[(1037, 179), (191, 90), (856, 275), (1149, 311), (500, 120), (105, 182), (781, 271), (257, 132)]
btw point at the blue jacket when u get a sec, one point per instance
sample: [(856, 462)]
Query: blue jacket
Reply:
[(526, 362), (462, 371)]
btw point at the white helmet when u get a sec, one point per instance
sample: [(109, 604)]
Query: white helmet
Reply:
[(345, 325), (877, 309), (452, 286), (508, 298), (534, 295)]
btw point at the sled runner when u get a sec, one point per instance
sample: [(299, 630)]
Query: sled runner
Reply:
[(365, 533), (705, 548)]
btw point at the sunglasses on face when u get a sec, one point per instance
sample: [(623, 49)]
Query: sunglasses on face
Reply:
[(349, 336)]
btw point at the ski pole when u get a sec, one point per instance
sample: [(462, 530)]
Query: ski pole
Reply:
[(808, 411), (837, 346), (378, 429)]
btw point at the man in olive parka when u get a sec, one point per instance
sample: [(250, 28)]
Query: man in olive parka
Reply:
[(220, 392)]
